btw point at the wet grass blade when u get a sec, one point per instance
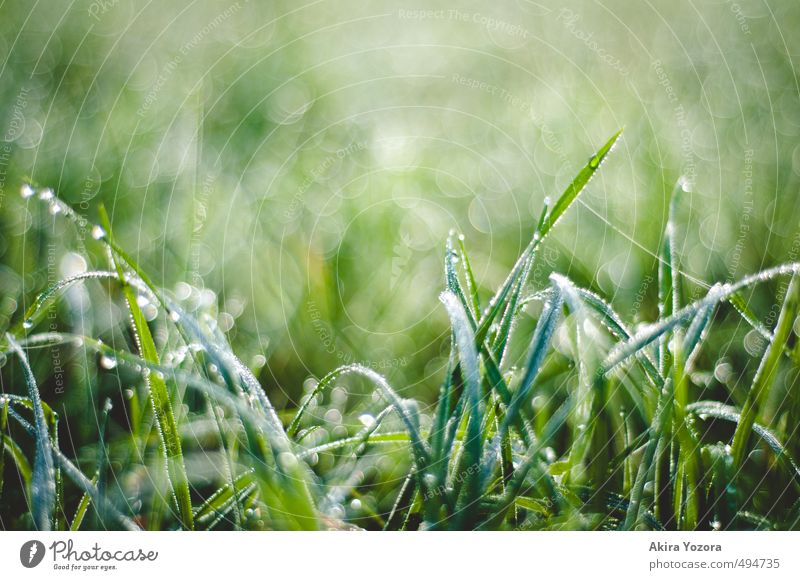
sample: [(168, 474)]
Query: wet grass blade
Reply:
[(765, 375), (159, 396), (717, 410), (472, 287), (82, 509), (569, 196), (473, 442), (3, 426), (222, 501), (43, 483), (78, 478), (540, 343), (36, 310), (401, 407), (498, 303)]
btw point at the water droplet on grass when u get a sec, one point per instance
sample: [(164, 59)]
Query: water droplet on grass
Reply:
[(367, 420), (98, 233), (107, 362), (27, 191)]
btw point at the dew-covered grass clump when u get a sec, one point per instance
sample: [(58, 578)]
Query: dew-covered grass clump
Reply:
[(598, 423)]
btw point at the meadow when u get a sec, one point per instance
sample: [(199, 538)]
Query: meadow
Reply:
[(399, 267)]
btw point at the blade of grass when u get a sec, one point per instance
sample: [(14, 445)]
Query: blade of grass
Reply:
[(718, 410), (468, 357), (567, 198), (578, 184), (159, 396), (83, 507), (472, 287), (537, 351), (765, 375), (78, 478), (43, 484)]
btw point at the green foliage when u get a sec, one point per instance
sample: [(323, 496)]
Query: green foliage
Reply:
[(599, 427)]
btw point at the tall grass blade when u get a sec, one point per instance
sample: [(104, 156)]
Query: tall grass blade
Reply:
[(159, 396), (567, 198), (43, 485), (765, 375), (468, 356)]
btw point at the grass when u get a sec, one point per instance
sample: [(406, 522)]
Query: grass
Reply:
[(603, 425)]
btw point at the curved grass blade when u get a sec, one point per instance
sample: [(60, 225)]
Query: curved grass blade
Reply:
[(43, 484), (715, 295), (3, 425), (421, 451), (35, 310), (729, 413), (224, 499)]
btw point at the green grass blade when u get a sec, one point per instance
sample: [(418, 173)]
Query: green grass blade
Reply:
[(36, 309), (43, 484), (102, 462), (81, 510), (451, 279), (567, 198), (472, 287), (718, 410), (437, 436), (23, 466), (224, 499), (159, 396), (388, 438), (473, 443), (540, 343), (401, 407), (615, 325), (79, 478), (765, 375), (662, 419), (578, 184)]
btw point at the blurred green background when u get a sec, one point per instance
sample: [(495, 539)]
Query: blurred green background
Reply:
[(304, 162)]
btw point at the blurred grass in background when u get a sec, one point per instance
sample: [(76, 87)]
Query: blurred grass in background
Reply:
[(304, 162)]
